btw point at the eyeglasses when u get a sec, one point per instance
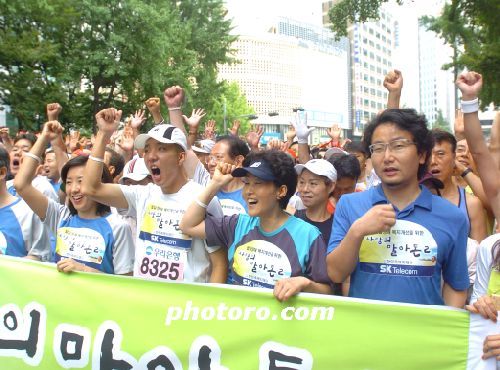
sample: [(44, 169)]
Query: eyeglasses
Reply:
[(214, 158), (395, 146)]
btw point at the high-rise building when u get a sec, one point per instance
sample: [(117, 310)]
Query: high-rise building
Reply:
[(293, 65), (437, 94), (372, 46)]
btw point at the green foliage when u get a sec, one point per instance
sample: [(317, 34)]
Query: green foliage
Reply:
[(90, 54), (347, 12), (236, 106), (471, 27), (440, 122)]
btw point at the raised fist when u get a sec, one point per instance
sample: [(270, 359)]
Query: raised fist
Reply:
[(174, 96), (108, 120), (393, 81), (470, 84), (53, 111), (52, 130), (153, 104)]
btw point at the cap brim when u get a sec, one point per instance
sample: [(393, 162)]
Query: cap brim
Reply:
[(242, 172), (133, 177), (199, 150)]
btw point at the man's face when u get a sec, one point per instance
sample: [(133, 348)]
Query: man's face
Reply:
[(219, 153), (442, 161), (164, 162), (16, 156), (50, 167), (464, 156), (397, 165), (344, 185)]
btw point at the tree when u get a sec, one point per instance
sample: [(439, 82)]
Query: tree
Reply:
[(440, 122), (470, 27), (90, 54), (236, 105)]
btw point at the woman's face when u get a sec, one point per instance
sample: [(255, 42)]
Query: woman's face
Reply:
[(314, 190), (262, 196), (83, 205)]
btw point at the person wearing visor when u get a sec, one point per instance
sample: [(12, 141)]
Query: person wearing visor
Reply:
[(266, 247)]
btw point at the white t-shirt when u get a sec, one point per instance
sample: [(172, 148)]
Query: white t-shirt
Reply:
[(41, 184), (163, 252), (201, 175), (484, 266)]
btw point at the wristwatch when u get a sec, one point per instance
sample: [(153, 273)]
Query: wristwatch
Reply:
[(466, 172)]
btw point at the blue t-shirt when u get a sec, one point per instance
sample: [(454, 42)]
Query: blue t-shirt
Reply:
[(103, 243), (259, 259), (232, 203), (405, 264), (22, 232)]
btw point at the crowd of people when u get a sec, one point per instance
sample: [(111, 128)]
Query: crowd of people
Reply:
[(407, 214)]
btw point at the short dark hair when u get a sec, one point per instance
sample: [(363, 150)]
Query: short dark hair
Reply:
[(78, 161), (440, 136), (283, 168), (346, 165), (356, 147), (4, 159), (236, 145), (116, 160), (406, 120), (27, 136)]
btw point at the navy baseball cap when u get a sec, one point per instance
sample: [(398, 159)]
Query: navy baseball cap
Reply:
[(258, 168)]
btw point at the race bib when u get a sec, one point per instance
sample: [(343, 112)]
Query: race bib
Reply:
[(81, 244), (162, 252), (260, 263), (494, 283), (407, 249), (3, 244)]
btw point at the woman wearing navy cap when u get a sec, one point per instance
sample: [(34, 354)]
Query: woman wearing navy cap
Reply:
[(268, 247)]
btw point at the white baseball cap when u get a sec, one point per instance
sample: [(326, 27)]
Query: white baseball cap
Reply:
[(167, 134), (135, 170), (204, 146), (320, 167)]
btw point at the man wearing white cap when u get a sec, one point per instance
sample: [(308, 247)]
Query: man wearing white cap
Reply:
[(202, 149), (315, 185), (163, 252), (135, 172)]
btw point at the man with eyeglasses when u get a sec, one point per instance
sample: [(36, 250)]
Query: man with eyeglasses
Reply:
[(397, 240)]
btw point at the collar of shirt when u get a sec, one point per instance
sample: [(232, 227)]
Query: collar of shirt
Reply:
[(424, 200)]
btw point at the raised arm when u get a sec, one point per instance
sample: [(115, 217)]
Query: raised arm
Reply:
[(193, 123), (153, 105), (393, 82), (470, 85), (29, 167), (92, 186), (193, 221), (302, 132), (495, 139)]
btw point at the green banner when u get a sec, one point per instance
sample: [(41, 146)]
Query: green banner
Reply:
[(52, 320)]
